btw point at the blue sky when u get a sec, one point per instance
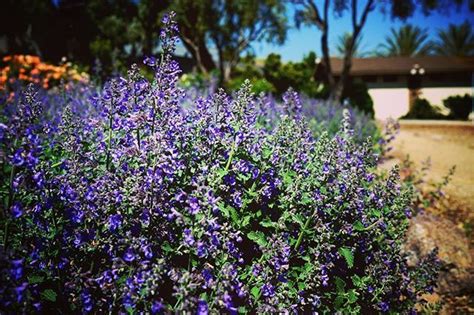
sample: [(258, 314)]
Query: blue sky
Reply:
[(301, 41)]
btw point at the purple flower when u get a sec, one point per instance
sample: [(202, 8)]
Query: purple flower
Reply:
[(193, 205), (87, 303), (150, 61), (227, 299), (384, 307), (38, 177), (207, 275), (90, 194), (268, 290), (20, 290), (16, 210), (77, 216), (129, 255), (201, 249), (157, 307), (17, 269), (18, 158), (128, 302), (202, 308), (115, 221), (188, 237), (229, 180), (148, 251)]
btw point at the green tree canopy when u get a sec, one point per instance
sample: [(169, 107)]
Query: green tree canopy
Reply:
[(217, 32)]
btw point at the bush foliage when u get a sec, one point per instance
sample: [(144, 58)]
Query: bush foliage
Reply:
[(460, 106), (422, 109), (126, 202)]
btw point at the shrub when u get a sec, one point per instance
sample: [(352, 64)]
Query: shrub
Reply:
[(25, 68), (422, 109), (134, 205), (460, 106), (358, 96)]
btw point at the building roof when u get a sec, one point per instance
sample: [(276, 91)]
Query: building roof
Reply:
[(403, 65)]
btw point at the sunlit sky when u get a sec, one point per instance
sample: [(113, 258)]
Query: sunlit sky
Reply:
[(301, 41)]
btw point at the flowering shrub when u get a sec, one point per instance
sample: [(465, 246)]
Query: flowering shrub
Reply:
[(26, 68), (135, 205)]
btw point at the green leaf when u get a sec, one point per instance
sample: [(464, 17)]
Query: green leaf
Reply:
[(166, 247), (352, 296), (35, 279), (301, 286), (339, 301), (267, 153), (340, 285), (376, 212), (306, 199), (356, 280), (222, 172), (358, 226), (348, 256), (49, 295), (224, 210), (245, 221), (288, 178), (298, 218), (267, 223), (258, 237), (234, 215), (255, 292)]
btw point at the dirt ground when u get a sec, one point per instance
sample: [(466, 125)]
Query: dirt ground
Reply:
[(446, 144)]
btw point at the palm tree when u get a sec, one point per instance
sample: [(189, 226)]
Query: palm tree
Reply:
[(456, 40), (345, 41), (407, 41)]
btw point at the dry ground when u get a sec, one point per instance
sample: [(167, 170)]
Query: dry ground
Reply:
[(447, 144)]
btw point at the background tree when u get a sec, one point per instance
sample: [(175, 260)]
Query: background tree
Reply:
[(148, 20), (406, 41), (194, 18), (456, 40), (310, 13), (217, 32), (25, 25), (344, 45)]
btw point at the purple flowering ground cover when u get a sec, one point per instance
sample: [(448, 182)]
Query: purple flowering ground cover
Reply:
[(120, 201)]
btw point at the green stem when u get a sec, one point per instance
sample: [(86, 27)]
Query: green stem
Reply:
[(11, 194), (138, 139), (300, 237), (109, 142), (153, 121), (231, 156)]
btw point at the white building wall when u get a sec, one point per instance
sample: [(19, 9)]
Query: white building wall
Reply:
[(389, 102), (436, 95), (394, 102)]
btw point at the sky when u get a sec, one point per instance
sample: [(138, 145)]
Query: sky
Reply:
[(301, 41)]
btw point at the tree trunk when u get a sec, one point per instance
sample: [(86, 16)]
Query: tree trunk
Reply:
[(200, 54)]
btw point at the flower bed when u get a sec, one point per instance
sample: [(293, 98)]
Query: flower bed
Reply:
[(130, 204)]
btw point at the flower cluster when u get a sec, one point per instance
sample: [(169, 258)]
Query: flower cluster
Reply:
[(26, 68), (128, 203)]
